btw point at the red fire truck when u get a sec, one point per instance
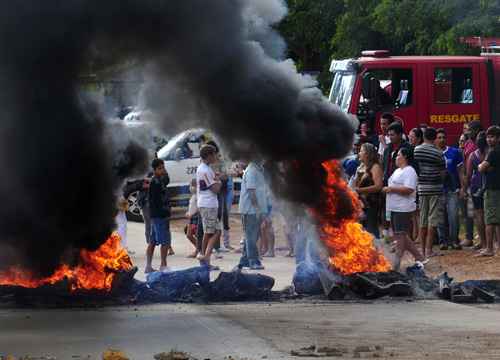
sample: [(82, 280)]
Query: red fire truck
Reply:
[(440, 91)]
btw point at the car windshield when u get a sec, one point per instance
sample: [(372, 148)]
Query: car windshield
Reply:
[(179, 141), (342, 88), (167, 152)]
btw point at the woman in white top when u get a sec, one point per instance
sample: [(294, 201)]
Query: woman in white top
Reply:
[(400, 201)]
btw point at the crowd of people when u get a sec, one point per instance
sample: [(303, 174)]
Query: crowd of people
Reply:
[(416, 188), (207, 227)]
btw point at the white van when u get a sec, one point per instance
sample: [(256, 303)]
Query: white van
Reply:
[(182, 157)]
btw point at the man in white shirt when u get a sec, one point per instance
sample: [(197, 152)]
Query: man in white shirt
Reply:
[(253, 207), (208, 186)]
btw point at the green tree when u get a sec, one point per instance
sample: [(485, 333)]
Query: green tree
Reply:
[(482, 18), (354, 31), (410, 26), (307, 29)]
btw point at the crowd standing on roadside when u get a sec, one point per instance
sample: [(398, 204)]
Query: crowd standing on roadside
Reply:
[(415, 189), (423, 189)]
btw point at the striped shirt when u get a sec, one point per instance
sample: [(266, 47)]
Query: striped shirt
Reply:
[(431, 164)]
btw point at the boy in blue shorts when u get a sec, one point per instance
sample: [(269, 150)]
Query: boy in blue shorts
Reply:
[(160, 213)]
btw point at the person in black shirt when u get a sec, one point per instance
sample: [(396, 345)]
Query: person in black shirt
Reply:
[(159, 211), (490, 167), (395, 133)]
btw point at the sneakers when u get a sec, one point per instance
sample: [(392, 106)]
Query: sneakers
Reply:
[(467, 243), (224, 249), (443, 247), (421, 264), (256, 266), (243, 264)]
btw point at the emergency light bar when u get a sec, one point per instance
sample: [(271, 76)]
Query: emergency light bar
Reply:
[(376, 53)]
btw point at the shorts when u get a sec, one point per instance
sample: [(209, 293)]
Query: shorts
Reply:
[(478, 202), (492, 207), (401, 222), (210, 220), (431, 210), (160, 232)]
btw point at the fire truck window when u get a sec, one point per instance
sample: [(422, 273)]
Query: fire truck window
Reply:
[(453, 86), (396, 86)]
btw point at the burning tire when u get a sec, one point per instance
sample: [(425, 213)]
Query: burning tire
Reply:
[(134, 211)]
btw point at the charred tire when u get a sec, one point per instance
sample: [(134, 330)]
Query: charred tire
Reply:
[(134, 211)]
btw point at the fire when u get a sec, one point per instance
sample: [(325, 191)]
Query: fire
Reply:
[(96, 270), (351, 248)]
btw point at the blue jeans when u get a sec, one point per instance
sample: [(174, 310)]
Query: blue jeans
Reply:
[(251, 229), (448, 230), (306, 250), (229, 194)]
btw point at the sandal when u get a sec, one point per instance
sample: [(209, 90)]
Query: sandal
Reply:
[(433, 254), (485, 253)]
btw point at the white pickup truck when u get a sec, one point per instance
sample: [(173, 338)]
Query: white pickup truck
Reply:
[(182, 157)]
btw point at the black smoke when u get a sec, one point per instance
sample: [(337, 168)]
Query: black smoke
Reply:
[(220, 57)]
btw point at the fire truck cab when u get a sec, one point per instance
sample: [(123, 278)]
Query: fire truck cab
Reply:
[(440, 91)]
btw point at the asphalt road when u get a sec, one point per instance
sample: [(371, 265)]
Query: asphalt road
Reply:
[(399, 330)]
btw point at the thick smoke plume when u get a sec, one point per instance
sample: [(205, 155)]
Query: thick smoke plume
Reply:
[(216, 63)]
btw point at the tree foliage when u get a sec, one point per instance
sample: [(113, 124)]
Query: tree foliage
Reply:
[(318, 30)]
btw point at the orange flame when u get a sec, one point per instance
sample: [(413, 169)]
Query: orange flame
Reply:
[(350, 247), (96, 271)]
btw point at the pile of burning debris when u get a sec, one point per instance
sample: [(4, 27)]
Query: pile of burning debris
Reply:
[(106, 277), (316, 280)]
